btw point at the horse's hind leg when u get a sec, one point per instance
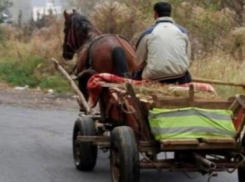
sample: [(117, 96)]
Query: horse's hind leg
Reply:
[(120, 61)]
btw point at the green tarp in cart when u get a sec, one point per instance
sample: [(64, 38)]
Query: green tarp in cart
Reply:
[(191, 123)]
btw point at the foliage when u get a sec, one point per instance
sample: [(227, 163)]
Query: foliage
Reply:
[(112, 16), (207, 23), (23, 73), (220, 66), (2, 37), (213, 29), (3, 6), (19, 63), (20, 73), (237, 6), (56, 82)]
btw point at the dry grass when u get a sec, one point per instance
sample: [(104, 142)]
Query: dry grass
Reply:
[(25, 57), (160, 90), (117, 17), (220, 67), (213, 37), (45, 42)]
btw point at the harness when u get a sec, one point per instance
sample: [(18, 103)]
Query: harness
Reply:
[(88, 61)]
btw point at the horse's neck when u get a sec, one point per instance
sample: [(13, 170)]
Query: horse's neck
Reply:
[(93, 34)]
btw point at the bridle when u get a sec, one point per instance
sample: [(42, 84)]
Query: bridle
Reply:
[(71, 39)]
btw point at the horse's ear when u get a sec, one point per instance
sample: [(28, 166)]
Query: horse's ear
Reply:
[(66, 15), (74, 11)]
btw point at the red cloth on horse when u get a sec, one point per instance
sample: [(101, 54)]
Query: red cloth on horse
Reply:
[(94, 85)]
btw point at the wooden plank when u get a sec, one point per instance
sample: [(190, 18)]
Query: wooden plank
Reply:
[(234, 106), (212, 104), (191, 95), (218, 82), (141, 117), (180, 142), (186, 167), (172, 102), (103, 144), (148, 143), (240, 99), (93, 139), (200, 146), (149, 149), (178, 102), (145, 101), (81, 98), (219, 140), (241, 127), (147, 105), (172, 98)]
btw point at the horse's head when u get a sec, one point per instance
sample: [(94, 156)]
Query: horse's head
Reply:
[(77, 33)]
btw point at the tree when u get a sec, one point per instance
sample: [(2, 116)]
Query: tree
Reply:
[(4, 5), (237, 6)]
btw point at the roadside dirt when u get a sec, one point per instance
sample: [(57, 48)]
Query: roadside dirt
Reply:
[(35, 98)]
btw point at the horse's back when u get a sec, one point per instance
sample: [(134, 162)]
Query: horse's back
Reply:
[(103, 52)]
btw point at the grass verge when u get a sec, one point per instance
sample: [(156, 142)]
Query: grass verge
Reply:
[(30, 72)]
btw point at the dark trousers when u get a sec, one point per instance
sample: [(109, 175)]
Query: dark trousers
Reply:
[(186, 78)]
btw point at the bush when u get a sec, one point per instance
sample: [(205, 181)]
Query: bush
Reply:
[(56, 82), (3, 37), (211, 28), (20, 73), (208, 27), (235, 43), (117, 18), (25, 73)]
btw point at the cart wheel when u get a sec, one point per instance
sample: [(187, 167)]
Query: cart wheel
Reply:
[(84, 153), (241, 170), (241, 174), (124, 155)]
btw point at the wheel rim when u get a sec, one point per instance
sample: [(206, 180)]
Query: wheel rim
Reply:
[(77, 158), (76, 151), (115, 165)]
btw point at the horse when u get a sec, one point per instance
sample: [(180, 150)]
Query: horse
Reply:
[(101, 53)]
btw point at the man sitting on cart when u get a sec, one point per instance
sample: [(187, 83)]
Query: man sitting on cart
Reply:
[(163, 50)]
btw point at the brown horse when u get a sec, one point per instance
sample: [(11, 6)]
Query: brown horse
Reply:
[(103, 53)]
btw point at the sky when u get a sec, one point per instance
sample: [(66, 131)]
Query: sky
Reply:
[(43, 2), (26, 7)]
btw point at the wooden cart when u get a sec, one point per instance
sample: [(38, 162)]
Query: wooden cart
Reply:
[(122, 128)]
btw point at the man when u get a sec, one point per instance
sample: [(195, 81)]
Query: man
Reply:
[(163, 50)]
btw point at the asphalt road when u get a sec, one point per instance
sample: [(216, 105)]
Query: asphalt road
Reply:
[(35, 146)]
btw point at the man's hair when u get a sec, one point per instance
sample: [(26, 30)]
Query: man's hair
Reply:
[(163, 8)]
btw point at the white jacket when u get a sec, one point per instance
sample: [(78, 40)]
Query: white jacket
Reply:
[(163, 50)]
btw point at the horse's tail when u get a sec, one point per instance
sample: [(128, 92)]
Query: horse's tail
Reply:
[(120, 61)]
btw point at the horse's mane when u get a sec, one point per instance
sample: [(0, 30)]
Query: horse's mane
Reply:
[(82, 24)]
